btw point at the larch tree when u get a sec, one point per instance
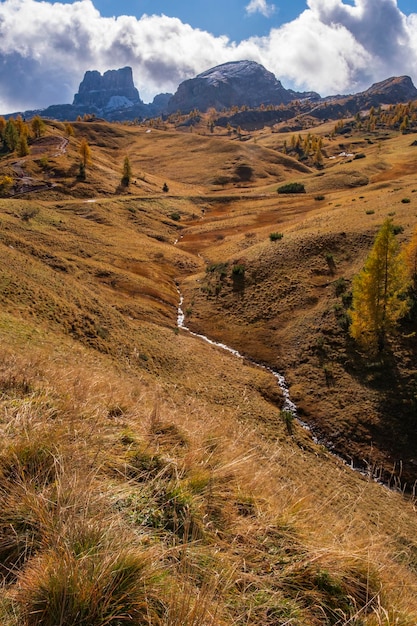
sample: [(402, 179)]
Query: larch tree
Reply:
[(410, 257), (38, 126), (22, 146), (69, 130), (85, 152), (126, 172), (378, 292)]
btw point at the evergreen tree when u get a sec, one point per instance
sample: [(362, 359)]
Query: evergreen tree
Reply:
[(11, 135), (378, 292)]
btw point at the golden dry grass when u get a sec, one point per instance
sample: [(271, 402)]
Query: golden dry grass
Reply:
[(132, 447)]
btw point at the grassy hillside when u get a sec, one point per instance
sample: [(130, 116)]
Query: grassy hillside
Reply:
[(148, 477)]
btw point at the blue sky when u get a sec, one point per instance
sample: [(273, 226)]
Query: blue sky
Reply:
[(329, 46)]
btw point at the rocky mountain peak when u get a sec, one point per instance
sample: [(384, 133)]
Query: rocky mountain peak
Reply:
[(112, 90), (236, 83), (393, 90)]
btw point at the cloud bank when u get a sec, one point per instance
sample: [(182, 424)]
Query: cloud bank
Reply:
[(331, 47)]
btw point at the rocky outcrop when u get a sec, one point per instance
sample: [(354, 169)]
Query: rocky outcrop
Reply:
[(239, 83), (111, 96), (112, 90)]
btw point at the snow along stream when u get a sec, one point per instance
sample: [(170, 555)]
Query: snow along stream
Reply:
[(288, 404)]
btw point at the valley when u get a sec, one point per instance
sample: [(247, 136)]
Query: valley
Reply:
[(124, 430)]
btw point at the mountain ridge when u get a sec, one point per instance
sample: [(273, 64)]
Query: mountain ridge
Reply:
[(238, 84)]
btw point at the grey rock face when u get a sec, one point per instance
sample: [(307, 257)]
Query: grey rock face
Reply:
[(112, 90)]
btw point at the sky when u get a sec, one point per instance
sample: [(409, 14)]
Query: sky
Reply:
[(329, 46)]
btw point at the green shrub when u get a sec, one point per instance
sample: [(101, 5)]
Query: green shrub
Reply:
[(292, 188), (175, 216), (217, 268), (340, 286), (238, 270), (288, 419), (406, 200), (275, 236), (319, 197)]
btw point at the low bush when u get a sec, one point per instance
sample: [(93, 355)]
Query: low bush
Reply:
[(238, 270), (292, 188), (275, 236)]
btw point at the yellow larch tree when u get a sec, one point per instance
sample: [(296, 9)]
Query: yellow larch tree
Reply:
[(378, 292)]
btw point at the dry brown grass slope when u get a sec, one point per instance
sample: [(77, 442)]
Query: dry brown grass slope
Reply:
[(147, 477)]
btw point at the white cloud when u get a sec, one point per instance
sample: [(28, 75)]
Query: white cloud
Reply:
[(331, 47), (260, 6)]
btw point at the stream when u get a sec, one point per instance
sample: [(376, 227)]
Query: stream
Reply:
[(288, 404)]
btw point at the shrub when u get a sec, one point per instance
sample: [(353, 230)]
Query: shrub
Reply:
[(340, 286), (288, 419), (319, 197), (238, 270), (406, 200), (218, 268), (275, 236), (330, 261), (292, 188), (370, 212), (175, 216), (6, 183), (80, 584), (29, 213)]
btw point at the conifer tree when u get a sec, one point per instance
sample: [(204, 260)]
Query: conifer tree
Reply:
[(127, 172), (69, 130), (85, 152), (378, 292), (410, 256), (38, 126), (11, 135), (22, 146)]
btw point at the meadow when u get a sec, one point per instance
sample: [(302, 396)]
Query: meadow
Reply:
[(148, 477)]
